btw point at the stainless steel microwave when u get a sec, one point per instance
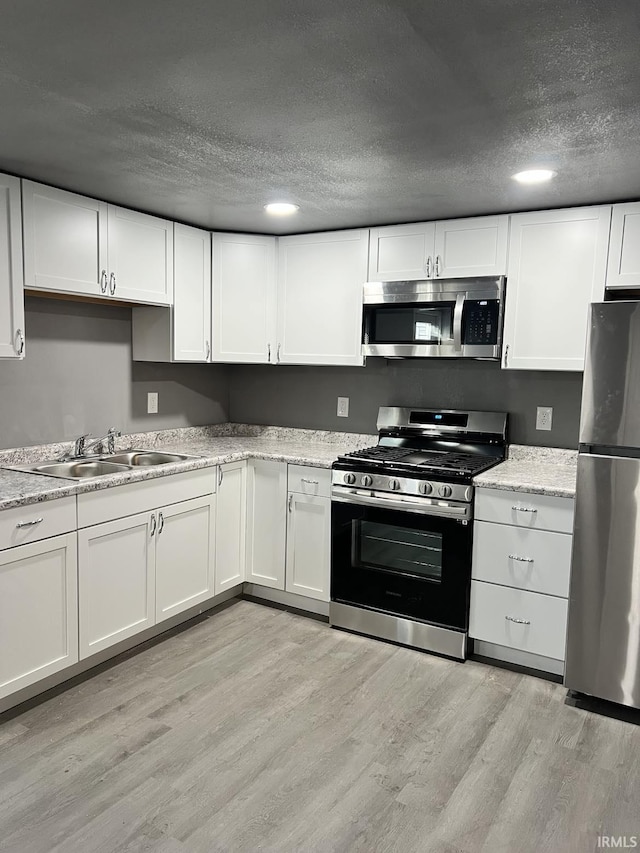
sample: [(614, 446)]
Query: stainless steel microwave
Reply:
[(450, 318)]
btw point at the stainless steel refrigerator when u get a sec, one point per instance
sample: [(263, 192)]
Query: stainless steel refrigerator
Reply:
[(603, 638)]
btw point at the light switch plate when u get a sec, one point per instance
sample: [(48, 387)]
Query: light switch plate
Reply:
[(343, 407), (544, 417), (152, 403)]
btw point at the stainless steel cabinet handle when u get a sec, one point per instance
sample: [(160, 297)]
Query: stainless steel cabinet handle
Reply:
[(524, 509), (429, 267), (506, 356), (160, 523), (112, 283), (438, 265), (520, 559), (517, 621), (290, 502), (153, 525), (207, 350), (278, 355), (220, 476), (269, 353), (19, 344), (311, 482), (33, 523), (103, 281)]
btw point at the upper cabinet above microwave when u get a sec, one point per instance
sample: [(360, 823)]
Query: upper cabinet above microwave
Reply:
[(453, 248), (78, 245)]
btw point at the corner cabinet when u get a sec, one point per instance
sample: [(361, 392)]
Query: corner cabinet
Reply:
[(11, 273), (557, 266), (320, 285), (266, 522), (77, 245), (624, 251), (230, 525), (244, 298)]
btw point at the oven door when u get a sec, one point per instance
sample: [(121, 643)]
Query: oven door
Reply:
[(401, 562)]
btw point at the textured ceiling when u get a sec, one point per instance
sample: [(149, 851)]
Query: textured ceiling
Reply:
[(360, 111)]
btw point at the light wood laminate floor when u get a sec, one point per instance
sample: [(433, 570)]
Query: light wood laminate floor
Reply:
[(257, 729)]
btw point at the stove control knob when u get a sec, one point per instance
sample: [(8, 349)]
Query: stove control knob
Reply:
[(350, 479), (366, 480), (425, 488), (444, 491), (394, 485)]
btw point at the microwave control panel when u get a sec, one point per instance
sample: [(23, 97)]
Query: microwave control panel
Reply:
[(480, 321)]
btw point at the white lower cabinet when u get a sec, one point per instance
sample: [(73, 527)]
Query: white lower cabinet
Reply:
[(184, 556), (230, 525), (266, 522), (116, 580), (38, 611), (308, 545)]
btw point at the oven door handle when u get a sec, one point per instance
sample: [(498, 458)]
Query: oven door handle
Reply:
[(457, 321), (420, 508)]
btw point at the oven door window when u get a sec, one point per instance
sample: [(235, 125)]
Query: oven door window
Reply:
[(377, 545), (411, 324)]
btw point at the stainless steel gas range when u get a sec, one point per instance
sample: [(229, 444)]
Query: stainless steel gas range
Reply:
[(401, 526)]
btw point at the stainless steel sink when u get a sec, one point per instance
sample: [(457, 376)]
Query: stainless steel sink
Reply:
[(79, 469), (138, 458)]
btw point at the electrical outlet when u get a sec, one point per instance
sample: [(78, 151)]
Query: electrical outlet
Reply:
[(343, 407), (152, 403), (544, 417)]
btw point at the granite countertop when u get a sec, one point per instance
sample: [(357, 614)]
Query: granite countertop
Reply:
[(537, 470), (208, 446)]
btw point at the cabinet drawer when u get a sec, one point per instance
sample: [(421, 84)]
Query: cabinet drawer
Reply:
[(535, 512), (309, 481), (534, 560), (143, 496), (20, 525), (543, 624)]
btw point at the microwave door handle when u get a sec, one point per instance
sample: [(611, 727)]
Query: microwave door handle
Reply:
[(457, 321)]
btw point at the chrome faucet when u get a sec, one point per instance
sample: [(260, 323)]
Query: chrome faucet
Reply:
[(81, 448)]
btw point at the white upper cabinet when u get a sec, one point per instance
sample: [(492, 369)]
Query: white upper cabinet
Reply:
[(467, 248), (401, 252), (453, 248), (65, 241), (11, 273), (74, 244), (624, 250), (557, 266), (320, 285), (183, 332), (244, 298), (140, 257)]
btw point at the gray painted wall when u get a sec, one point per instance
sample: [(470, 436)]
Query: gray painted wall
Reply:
[(307, 396), (78, 377)]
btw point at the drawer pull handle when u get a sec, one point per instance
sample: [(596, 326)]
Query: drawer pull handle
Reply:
[(517, 621), (33, 523), (521, 559), (524, 509), (311, 482)]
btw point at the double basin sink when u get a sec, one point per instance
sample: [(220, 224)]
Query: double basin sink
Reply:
[(80, 469)]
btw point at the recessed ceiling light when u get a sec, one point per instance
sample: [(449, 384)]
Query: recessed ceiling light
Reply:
[(534, 176), (281, 208)]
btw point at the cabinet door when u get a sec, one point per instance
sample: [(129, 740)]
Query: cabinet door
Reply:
[(38, 611), (244, 298), (184, 556), (192, 294), (266, 522), (308, 546), (320, 286), (466, 248), (230, 525), (11, 274), (116, 581), (624, 251), (557, 266), (402, 252), (65, 241), (140, 257)]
